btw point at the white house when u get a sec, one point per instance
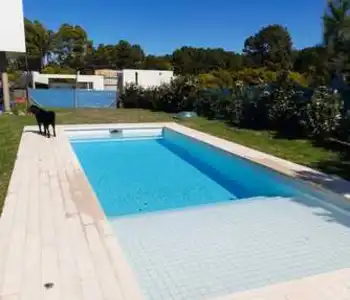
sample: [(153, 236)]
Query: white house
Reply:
[(12, 40), (110, 80), (91, 82), (146, 78), (117, 80)]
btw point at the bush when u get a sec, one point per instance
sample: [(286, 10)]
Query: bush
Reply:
[(18, 108), (205, 103), (256, 106), (177, 96), (283, 106), (322, 115), (235, 106), (131, 96)]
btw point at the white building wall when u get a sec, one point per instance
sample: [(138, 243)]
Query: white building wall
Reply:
[(12, 39), (147, 78), (97, 81)]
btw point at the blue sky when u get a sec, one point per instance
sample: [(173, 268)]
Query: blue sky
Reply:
[(161, 26)]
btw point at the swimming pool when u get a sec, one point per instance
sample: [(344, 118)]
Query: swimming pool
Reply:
[(139, 175), (196, 222)]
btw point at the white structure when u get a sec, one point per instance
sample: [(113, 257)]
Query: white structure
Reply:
[(117, 80), (110, 78), (93, 82), (12, 39), (104, 79), (146, 78)]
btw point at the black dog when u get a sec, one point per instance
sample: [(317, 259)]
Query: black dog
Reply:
[(45, 118)]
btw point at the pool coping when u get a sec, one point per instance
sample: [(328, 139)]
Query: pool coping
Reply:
[(92, 219)]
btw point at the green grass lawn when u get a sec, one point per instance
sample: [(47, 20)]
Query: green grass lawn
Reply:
[(299, 151)]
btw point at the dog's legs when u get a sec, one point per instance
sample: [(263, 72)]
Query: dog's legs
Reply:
[(54, 130), (47, 131)]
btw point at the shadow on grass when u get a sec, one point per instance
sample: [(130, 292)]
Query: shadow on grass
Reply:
[(335, 174), (339, 166)]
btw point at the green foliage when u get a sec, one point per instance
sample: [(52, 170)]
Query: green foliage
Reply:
[(38, 43), (336, 21), (312, 62), (251, 76), (217, 79), (282, 106), (69, 44), (14, 75), (336, 33), (132, 96), (189, 60), (19, 109), (266, 52), (271, 47), (57, 69), (235, 107), (128, 56), (177, 96), (323, 113), (285, 110), (224, 79), (205, 104), (152, 62), (298, 79)]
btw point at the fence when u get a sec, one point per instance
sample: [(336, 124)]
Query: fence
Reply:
[(69, 98)]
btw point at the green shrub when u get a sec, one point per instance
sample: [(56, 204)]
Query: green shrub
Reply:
[(286, 106), (298, 78), (283, 106), (204, 104), (256, 107), (131, 96), (235, 106), (322, 116), (177, 96), (19, 108), (214, 103)]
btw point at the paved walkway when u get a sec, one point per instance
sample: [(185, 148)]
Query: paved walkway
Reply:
[(53, 231), (55, 242)]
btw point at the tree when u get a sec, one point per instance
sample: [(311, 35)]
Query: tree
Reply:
[(221, 79), (336, 32), (152, 62), (312, 62), (69, 46), (271, 47), (104, 56), (38, 43), (189, 60), (128, 56)]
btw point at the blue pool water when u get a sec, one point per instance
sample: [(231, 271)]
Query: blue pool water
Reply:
[(138, 176), (263, 229)]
